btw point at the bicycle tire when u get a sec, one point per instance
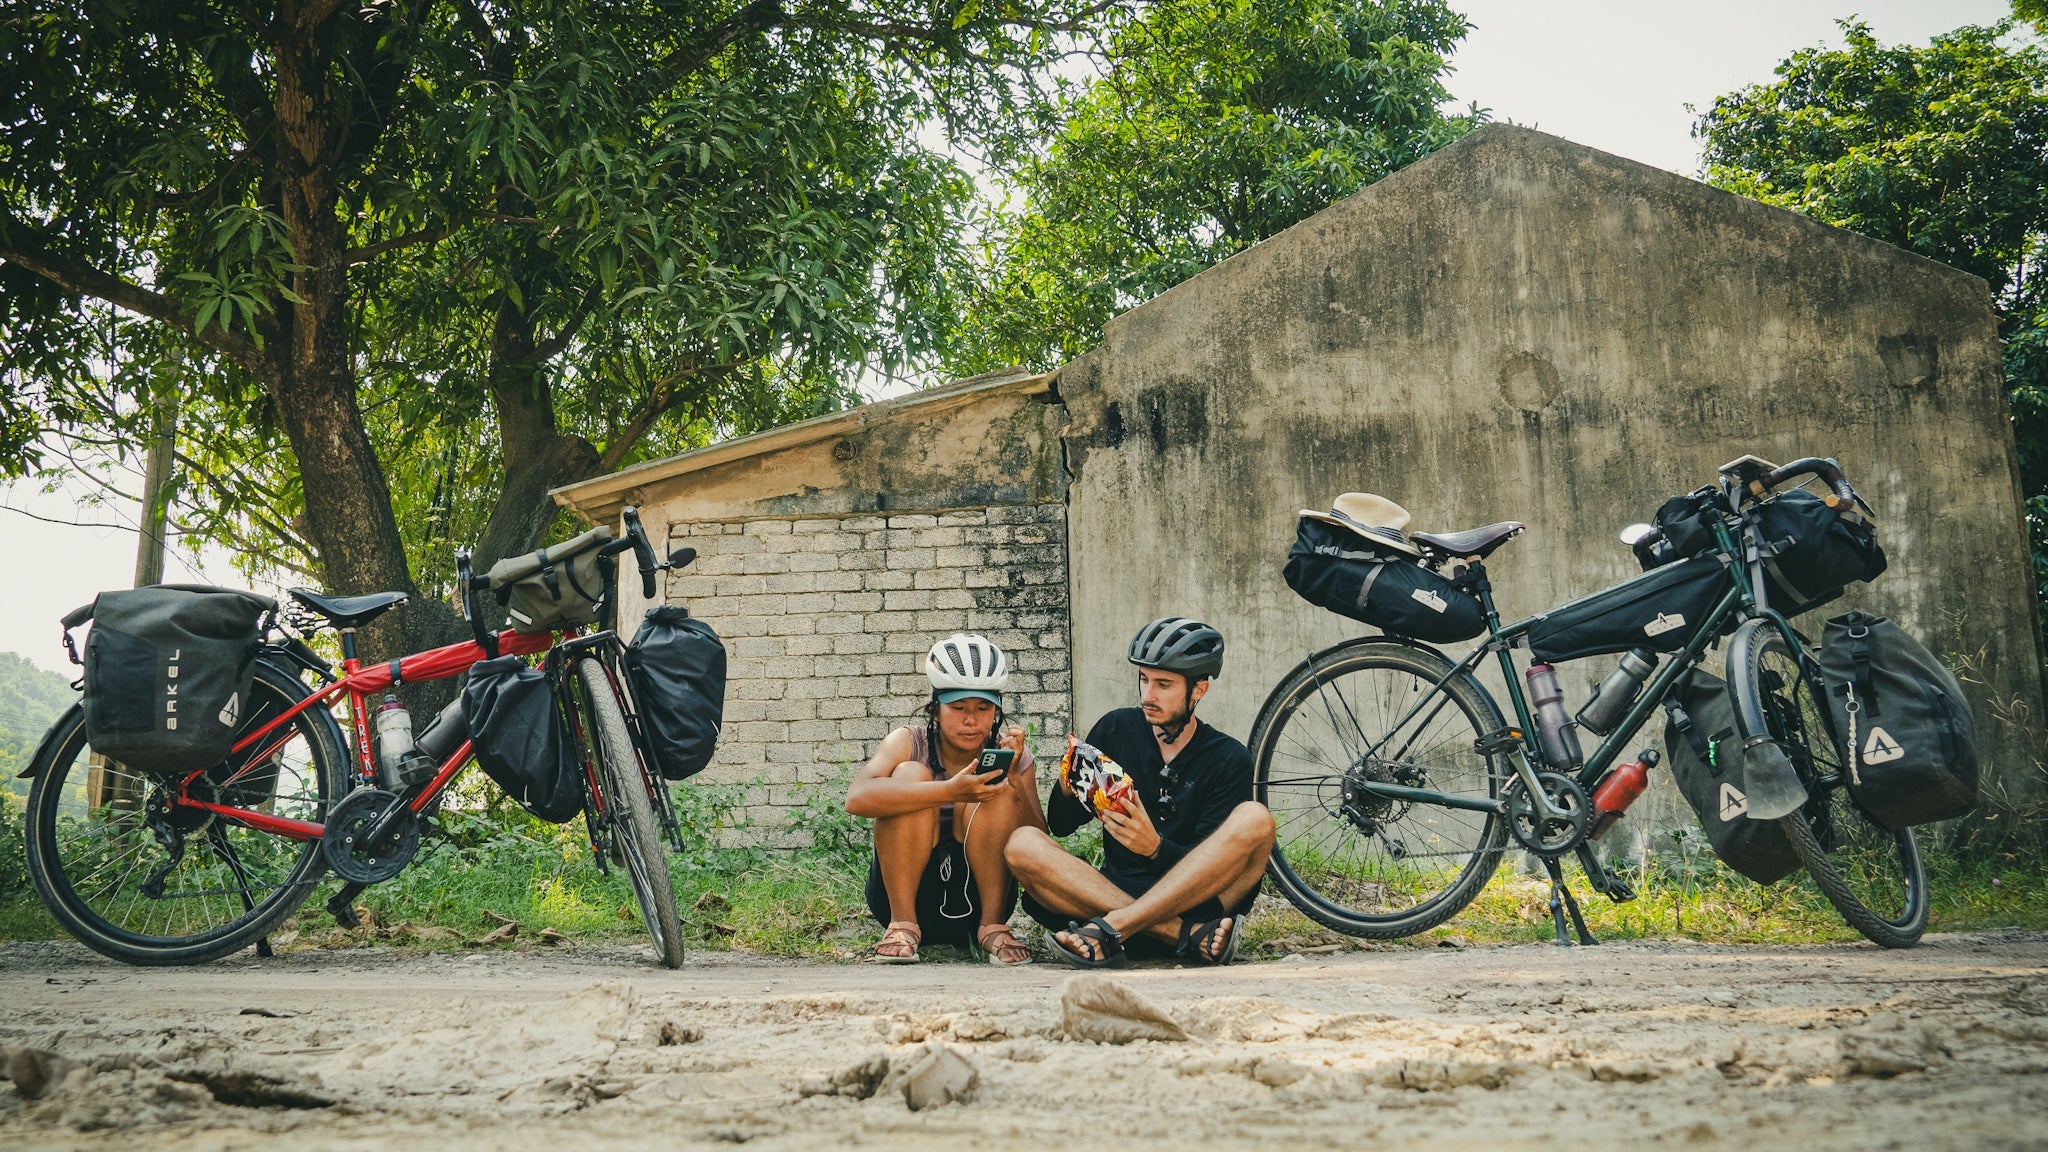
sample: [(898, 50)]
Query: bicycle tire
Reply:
[(1853, 860), (1452, 758), (56, 798), (635, 832)]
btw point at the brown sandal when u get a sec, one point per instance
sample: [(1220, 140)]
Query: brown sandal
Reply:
[(1008, 952), (901, 934)]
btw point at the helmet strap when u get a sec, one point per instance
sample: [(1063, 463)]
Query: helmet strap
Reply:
[(1171, 730)]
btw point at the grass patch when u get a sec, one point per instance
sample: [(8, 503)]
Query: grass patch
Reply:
[(484, 861)]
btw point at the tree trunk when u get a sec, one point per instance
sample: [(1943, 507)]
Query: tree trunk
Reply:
[(536, 456)]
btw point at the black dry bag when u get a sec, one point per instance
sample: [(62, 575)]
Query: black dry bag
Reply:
[(520, 740), (1350, 575), (167, 672), (676, 666), (1705, 756), (1912, 741), (1810, 552)]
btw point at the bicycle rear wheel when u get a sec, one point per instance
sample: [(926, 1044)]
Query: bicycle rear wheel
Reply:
[(1872, 875), (636, 834), (147, 882), (1353, 861)]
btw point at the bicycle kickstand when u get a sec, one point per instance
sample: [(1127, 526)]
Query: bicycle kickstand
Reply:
[(1562, 901)]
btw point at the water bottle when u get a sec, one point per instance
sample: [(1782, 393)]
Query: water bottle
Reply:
[(399, 763), (1611, 700), (445, 734), (1619, 789), (1556, 733)]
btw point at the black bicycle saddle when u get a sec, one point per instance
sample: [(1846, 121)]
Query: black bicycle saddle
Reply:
[(1470, 542)]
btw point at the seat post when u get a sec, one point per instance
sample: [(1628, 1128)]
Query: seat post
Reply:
[(348, 645)]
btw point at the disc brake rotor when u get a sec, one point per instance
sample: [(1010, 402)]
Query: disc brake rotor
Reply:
[(1548, 836), (347, 848)]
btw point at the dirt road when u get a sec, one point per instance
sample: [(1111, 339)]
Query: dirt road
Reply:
[(1625, 1045)]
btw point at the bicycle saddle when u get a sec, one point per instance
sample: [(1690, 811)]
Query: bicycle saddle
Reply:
[(348, 611), (1470, 542)]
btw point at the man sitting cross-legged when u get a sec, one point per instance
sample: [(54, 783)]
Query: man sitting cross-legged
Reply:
[(1183, 854)]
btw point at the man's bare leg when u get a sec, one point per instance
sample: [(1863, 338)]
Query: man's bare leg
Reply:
[(1061, 881)]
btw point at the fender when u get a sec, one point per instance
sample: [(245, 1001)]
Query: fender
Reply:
[(44, 747), (1768, 777)]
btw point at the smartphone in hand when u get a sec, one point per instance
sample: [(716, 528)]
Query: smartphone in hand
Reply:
[(995, 762)]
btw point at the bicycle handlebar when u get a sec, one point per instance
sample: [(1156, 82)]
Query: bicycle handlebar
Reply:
[(467, 582), (1829, 472)]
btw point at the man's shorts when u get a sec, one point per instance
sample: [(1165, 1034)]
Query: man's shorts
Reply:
[(1143, 947), (948, 906)]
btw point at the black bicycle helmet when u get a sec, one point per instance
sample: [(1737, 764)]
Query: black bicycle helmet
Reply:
[(1176, 644)]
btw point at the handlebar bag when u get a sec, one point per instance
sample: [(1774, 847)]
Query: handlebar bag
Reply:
[(1912, 740), (676, 666), (1659, 610), (1333, 568), (519, 739), (1705, 756), (554, 588), (1811, 552), (168, 670)]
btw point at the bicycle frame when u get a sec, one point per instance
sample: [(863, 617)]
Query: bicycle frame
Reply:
[(1739, 601), (355, 685)]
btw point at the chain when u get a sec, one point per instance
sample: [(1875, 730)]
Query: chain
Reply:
[(1855, 753)]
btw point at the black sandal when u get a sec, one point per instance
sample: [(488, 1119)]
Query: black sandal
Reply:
[(1108, 940), (1193, 935)]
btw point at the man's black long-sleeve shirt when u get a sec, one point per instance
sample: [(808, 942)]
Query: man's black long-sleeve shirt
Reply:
[(1214, 776)]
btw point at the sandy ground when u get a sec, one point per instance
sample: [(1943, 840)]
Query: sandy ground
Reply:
[(1624, 1045)]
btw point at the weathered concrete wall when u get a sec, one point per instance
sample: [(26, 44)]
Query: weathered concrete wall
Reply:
[(1521, 328)]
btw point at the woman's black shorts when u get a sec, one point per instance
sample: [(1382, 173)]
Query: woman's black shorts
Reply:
[(948, 906)]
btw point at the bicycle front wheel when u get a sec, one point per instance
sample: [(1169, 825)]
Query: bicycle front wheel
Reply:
[(1355, 861), (636, 834), (146, 881), (1872, 875)]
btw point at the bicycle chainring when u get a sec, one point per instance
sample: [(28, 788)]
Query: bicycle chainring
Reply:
[(355, 860), (1548, 837)]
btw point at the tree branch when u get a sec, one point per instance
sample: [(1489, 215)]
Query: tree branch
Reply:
[(220, 490), (83, 280), (758, 16), (369, 252), (552, 347)]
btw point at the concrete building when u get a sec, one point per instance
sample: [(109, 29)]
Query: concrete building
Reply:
[(1515, 328)]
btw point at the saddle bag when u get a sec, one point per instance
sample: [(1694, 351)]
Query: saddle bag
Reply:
[(1705, 756), (520, 740), (1811, 552), (1911, 739), (676, 666), (1659, 610), (167, 672), (1333, 568), (554, 588)]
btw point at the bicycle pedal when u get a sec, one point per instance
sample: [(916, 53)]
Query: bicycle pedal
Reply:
[(341, 906)]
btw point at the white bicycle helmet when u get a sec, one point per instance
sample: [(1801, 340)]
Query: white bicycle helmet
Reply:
[(964, 665)]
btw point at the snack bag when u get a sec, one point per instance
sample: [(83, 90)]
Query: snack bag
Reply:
[(1096, 778)]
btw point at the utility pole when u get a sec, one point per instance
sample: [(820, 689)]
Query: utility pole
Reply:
[(156, 486)]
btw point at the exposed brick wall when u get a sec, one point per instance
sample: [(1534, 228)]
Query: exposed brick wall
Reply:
[(826, 623)]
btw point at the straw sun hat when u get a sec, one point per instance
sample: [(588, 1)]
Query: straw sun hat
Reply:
[(1374, 517)]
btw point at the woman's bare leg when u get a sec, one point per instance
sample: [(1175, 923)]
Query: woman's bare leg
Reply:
[(903, 844)]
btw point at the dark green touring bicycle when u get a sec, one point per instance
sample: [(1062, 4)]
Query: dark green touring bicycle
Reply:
[(1397, 783)]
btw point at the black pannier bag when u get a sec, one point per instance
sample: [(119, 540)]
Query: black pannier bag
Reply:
[(676, 666), (520, 739), (1705, 755), (554, 588), (1333, 568), (1659, 610), (168, 670), (1911, 738), (1811, 551)]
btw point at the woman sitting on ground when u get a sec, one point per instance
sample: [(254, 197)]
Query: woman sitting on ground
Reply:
[(938, 874)]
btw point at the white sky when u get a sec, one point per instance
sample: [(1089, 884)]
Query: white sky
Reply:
[(1613, 74)]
